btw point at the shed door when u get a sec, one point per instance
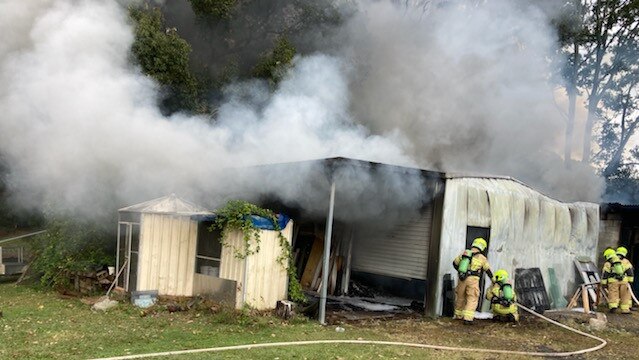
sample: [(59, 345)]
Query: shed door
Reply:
[(401, 252), (128, 250)]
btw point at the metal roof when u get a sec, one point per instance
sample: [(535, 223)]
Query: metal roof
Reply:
[(170, 204)]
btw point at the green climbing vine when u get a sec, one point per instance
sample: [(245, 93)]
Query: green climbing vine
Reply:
[(236, 215)]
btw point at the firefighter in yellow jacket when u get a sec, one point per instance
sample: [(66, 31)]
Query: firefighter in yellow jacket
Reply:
[(612, 277), (502, 298), (470, 266), (625, 296)]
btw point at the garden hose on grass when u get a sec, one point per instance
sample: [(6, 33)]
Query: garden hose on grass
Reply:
[(390, 343)]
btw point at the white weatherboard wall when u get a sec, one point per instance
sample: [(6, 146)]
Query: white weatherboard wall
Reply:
[(261, 280), (527, 229)]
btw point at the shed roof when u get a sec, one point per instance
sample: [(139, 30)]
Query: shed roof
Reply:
[(170, 204)]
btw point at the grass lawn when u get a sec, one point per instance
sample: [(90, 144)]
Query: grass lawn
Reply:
[(41, 325)]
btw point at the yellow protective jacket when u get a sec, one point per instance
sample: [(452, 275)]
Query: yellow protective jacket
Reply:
[(628, 271), (497, 301), (478, 263)]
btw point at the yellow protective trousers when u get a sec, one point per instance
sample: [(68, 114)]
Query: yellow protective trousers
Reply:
[(466, 298), (501, 310), (625, 296), (614, 288)]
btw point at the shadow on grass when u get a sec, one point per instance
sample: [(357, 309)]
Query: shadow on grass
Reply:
[(4, 279)]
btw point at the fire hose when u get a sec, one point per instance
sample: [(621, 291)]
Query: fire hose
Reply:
[(602, 343), (632, 293)]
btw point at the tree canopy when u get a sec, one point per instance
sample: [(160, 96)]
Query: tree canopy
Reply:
[(600, 43)]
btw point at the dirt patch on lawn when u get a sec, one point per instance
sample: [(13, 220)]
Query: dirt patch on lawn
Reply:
[(531, 334)]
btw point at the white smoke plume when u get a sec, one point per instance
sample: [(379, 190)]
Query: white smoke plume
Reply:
[(469, 86), (80, 129)]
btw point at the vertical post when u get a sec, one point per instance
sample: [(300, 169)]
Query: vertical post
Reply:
[(327, 253), (128, 255), (584, 299), (117, 258)]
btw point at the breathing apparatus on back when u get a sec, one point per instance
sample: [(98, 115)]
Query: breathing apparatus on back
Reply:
[(463, 269), (464, 264), (617, 268), (508, 295)]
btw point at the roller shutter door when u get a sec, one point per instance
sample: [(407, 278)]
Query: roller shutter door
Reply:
[(402, 252)]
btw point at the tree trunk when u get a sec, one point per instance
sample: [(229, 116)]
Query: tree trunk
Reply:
[(602, 36), (590, 120), (615, 162), (572, 100), (626, 133)]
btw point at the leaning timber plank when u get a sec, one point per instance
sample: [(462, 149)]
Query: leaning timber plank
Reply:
[(573, 301), (585, 299), (333, 275), (314, 259), (317, 276)]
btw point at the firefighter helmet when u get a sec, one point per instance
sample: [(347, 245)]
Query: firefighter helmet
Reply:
[(501, 275), (480, 244), (622, 251), (608, 253)]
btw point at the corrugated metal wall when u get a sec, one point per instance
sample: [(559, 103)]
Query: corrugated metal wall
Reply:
[(527, 229), (403, 252), (167, 254), (266, 279)]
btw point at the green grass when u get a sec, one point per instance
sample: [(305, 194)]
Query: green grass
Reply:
[(38, 324)]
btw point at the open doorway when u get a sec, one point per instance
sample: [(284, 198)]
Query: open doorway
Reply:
[(128, 250), (473, 232)]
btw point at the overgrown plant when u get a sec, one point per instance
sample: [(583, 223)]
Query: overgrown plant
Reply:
[(236, 215), (67, 246)]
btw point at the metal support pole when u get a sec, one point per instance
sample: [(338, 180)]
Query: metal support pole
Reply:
[(327, 254)]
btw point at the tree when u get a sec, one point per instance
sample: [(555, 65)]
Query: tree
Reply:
[(216, 9), (600, 45), (621, 103), (570, 32), (272, 65), (611, 30), (232, 38), (164, 55)]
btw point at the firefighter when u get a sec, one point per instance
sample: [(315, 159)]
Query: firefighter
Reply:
[(624, 289), (612, 276), (470, 266), (502, 298)]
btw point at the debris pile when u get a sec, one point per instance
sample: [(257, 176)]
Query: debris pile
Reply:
[(90, 282)]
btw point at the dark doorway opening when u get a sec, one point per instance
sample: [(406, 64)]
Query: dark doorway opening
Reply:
[(473, 232)]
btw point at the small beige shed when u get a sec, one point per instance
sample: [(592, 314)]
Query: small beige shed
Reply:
[(165, 245)]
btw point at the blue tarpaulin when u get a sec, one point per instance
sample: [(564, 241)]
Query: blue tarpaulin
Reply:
[(266, 224), (259, 221)]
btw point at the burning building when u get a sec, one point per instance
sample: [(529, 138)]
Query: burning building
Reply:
[(393, 228)]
